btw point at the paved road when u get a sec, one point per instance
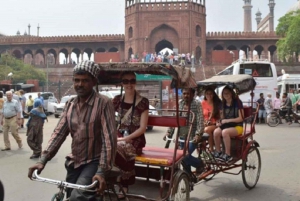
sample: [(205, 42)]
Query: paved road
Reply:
[(280, 175)]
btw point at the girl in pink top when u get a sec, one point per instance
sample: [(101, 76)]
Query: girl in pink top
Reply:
[(211, 113)]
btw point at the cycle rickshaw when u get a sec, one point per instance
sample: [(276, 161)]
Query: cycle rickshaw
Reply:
[(163, 166)]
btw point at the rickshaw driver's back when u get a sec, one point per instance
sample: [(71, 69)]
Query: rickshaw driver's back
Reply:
[(89, 118)]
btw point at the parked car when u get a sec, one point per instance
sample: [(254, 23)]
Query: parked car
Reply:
[(58, 107), (48, 99)]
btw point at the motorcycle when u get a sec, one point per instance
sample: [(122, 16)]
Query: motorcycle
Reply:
[(274, 118)]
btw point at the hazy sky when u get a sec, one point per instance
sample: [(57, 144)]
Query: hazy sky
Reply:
[(85, 17)]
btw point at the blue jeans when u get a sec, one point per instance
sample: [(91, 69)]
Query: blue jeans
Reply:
[(190, 160), (82, 175)]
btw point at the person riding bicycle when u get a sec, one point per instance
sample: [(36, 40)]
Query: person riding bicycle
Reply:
[(286, 108), (90, 119), (197, 130)]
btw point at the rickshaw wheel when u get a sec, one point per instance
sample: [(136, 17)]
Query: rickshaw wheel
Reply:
[(181, 187), (273, 120), (251, 167)]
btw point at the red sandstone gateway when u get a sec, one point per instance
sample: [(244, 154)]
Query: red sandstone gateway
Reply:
[(162, 168)]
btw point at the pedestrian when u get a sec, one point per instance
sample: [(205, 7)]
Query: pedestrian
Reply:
[(133, 112), (268, 104), (41, 98), (277, 104), (11, 120), (35, 126), (23, 104), (90, 119), (29, 103), (1, 108), (261, 111)]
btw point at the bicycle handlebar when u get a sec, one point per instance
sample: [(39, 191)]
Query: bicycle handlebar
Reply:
[(88, 188)]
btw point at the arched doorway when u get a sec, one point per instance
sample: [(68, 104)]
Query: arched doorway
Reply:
[(130, 52), (198, 55), (162, 45), (163, 36)]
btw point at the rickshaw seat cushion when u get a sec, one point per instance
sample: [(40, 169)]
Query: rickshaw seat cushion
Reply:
[(158, 156)]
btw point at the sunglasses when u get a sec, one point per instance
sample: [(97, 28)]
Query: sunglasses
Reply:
[(126, 81)]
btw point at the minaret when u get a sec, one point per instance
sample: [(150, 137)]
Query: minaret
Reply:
[(29, 29), (258, 17), (271, 19), (247, 16), (38, 30)]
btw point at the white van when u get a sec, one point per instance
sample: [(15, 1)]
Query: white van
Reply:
[(48, 97), (264, 73), (288, 83)]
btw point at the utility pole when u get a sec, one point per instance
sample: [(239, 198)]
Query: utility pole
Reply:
[(47, 59)]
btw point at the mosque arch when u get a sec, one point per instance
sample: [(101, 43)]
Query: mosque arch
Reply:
[(113, 49), (219, 47)]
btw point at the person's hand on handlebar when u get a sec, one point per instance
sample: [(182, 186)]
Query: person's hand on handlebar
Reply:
[(101, 183), (38, 166)]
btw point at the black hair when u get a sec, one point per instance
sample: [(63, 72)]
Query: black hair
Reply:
[(216, 103), (192, 90), (1, 94)]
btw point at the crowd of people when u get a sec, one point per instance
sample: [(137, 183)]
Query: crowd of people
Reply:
[(171, 58), (283, 105)]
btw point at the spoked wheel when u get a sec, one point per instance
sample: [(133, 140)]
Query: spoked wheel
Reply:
[(273, 120), (251, 167), (181, 187)]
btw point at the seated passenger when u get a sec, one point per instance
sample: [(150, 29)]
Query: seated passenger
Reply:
[(196, 132), (230, 124), (211, 113), (133, 119)]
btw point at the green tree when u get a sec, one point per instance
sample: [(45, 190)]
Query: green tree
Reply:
[(289, 29), (21, 71)]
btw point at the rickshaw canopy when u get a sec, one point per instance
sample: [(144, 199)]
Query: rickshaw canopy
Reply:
[(110, 73), (241, 83)]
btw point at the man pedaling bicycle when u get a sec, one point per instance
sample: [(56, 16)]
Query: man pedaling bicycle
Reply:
[(90, 119)]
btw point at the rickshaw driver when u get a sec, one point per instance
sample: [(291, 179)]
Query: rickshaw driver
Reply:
[(196, 132), (90, 119)]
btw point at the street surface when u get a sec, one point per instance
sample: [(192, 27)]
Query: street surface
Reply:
[(279, 180)]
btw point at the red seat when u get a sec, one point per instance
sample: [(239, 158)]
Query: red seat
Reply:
[(158, 156)]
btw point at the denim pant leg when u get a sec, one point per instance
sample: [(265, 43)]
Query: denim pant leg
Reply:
[(190, 160), (82, 175)]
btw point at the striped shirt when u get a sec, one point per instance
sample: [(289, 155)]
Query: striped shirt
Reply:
[(92, 128), (198, 124)]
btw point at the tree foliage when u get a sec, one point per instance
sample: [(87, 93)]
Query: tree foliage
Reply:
[(289, 29), (21, 71)]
